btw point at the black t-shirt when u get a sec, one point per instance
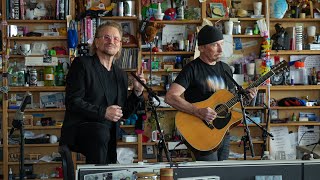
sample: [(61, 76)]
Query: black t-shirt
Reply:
[(201, 80), (111, 84)]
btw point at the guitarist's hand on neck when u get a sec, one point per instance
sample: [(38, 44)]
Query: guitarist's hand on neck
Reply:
[(252, 93), (207, 114)]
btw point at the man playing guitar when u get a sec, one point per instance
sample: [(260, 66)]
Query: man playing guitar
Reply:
[(200, 79)]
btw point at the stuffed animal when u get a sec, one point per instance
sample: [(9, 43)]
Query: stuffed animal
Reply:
[(40, 10), (170, 14), (151, 31)]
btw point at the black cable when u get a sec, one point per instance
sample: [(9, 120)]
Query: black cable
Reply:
[(311, 131)]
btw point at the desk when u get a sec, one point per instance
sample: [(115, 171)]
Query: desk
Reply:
[(308, 149), (226, 170)]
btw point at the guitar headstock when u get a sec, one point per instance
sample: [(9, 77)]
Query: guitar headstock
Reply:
[(282, 66)]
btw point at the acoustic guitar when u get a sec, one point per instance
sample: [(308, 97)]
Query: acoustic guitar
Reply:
[(203, 135)]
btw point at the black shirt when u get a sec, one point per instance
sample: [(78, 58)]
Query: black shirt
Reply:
[(201, 80), (111, 84)]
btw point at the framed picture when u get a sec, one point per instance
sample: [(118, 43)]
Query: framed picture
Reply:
[(217, 10), (52, 99), (127, 27), (167, 65)]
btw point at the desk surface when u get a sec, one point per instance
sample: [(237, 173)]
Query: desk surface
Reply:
[(308, 149)]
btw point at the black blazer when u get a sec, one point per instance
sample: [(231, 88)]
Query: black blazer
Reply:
[(87, 99)]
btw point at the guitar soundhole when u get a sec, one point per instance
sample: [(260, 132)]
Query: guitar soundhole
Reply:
[(223, 117), (222, 110)]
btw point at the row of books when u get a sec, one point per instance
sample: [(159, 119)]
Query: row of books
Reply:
[(25, 9), (87, 28), (128, 58)]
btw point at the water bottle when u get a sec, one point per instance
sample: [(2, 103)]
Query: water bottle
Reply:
[(10, 177)]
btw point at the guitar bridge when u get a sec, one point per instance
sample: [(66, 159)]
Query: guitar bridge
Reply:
[(210, 125)]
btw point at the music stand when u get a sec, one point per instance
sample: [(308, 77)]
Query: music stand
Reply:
[(162, 146), (17, 123)]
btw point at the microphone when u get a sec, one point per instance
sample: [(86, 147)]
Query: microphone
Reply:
[(18, 117), (149, 90), (26, 100), (240, 90)]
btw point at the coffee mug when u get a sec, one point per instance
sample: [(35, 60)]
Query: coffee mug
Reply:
[(25, 49)]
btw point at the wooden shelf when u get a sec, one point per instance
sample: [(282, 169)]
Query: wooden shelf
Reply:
[(294, 52), (172, 53), (120, 143), (35, 145), (41, 127), (21, 56), (37, 89), (295, 88), (294, 20), (246, 36), (39, 110), (178, 22), (119, 18), (297, 123), (149, 143), (294, 107), (35, 21), (41, 38), (35, 163), (227, 19), (130, 46)]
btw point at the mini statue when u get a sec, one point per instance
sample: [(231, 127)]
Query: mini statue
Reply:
[(280, 38)]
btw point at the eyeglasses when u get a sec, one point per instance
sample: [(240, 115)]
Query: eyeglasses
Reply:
[(110, 37)]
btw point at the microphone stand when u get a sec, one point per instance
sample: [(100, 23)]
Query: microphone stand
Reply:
[(17, 123), (243, 93), (162, 145)]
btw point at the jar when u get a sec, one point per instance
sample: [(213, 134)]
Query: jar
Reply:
[(237, 28), (299, 74), (146, 176), (49, 76), (166, 174), (33, 77)]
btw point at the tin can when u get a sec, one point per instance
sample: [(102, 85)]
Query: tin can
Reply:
[(120, 9), (33, 77)]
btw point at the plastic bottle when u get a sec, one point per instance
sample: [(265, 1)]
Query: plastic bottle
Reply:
[(294, 117), (49, 76), (10, 177), (59, 75), (299, 73), (314, 79), (13, 71), (266, 155)]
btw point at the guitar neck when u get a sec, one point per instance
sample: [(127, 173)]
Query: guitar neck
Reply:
[(261, 80), (257, 83)]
